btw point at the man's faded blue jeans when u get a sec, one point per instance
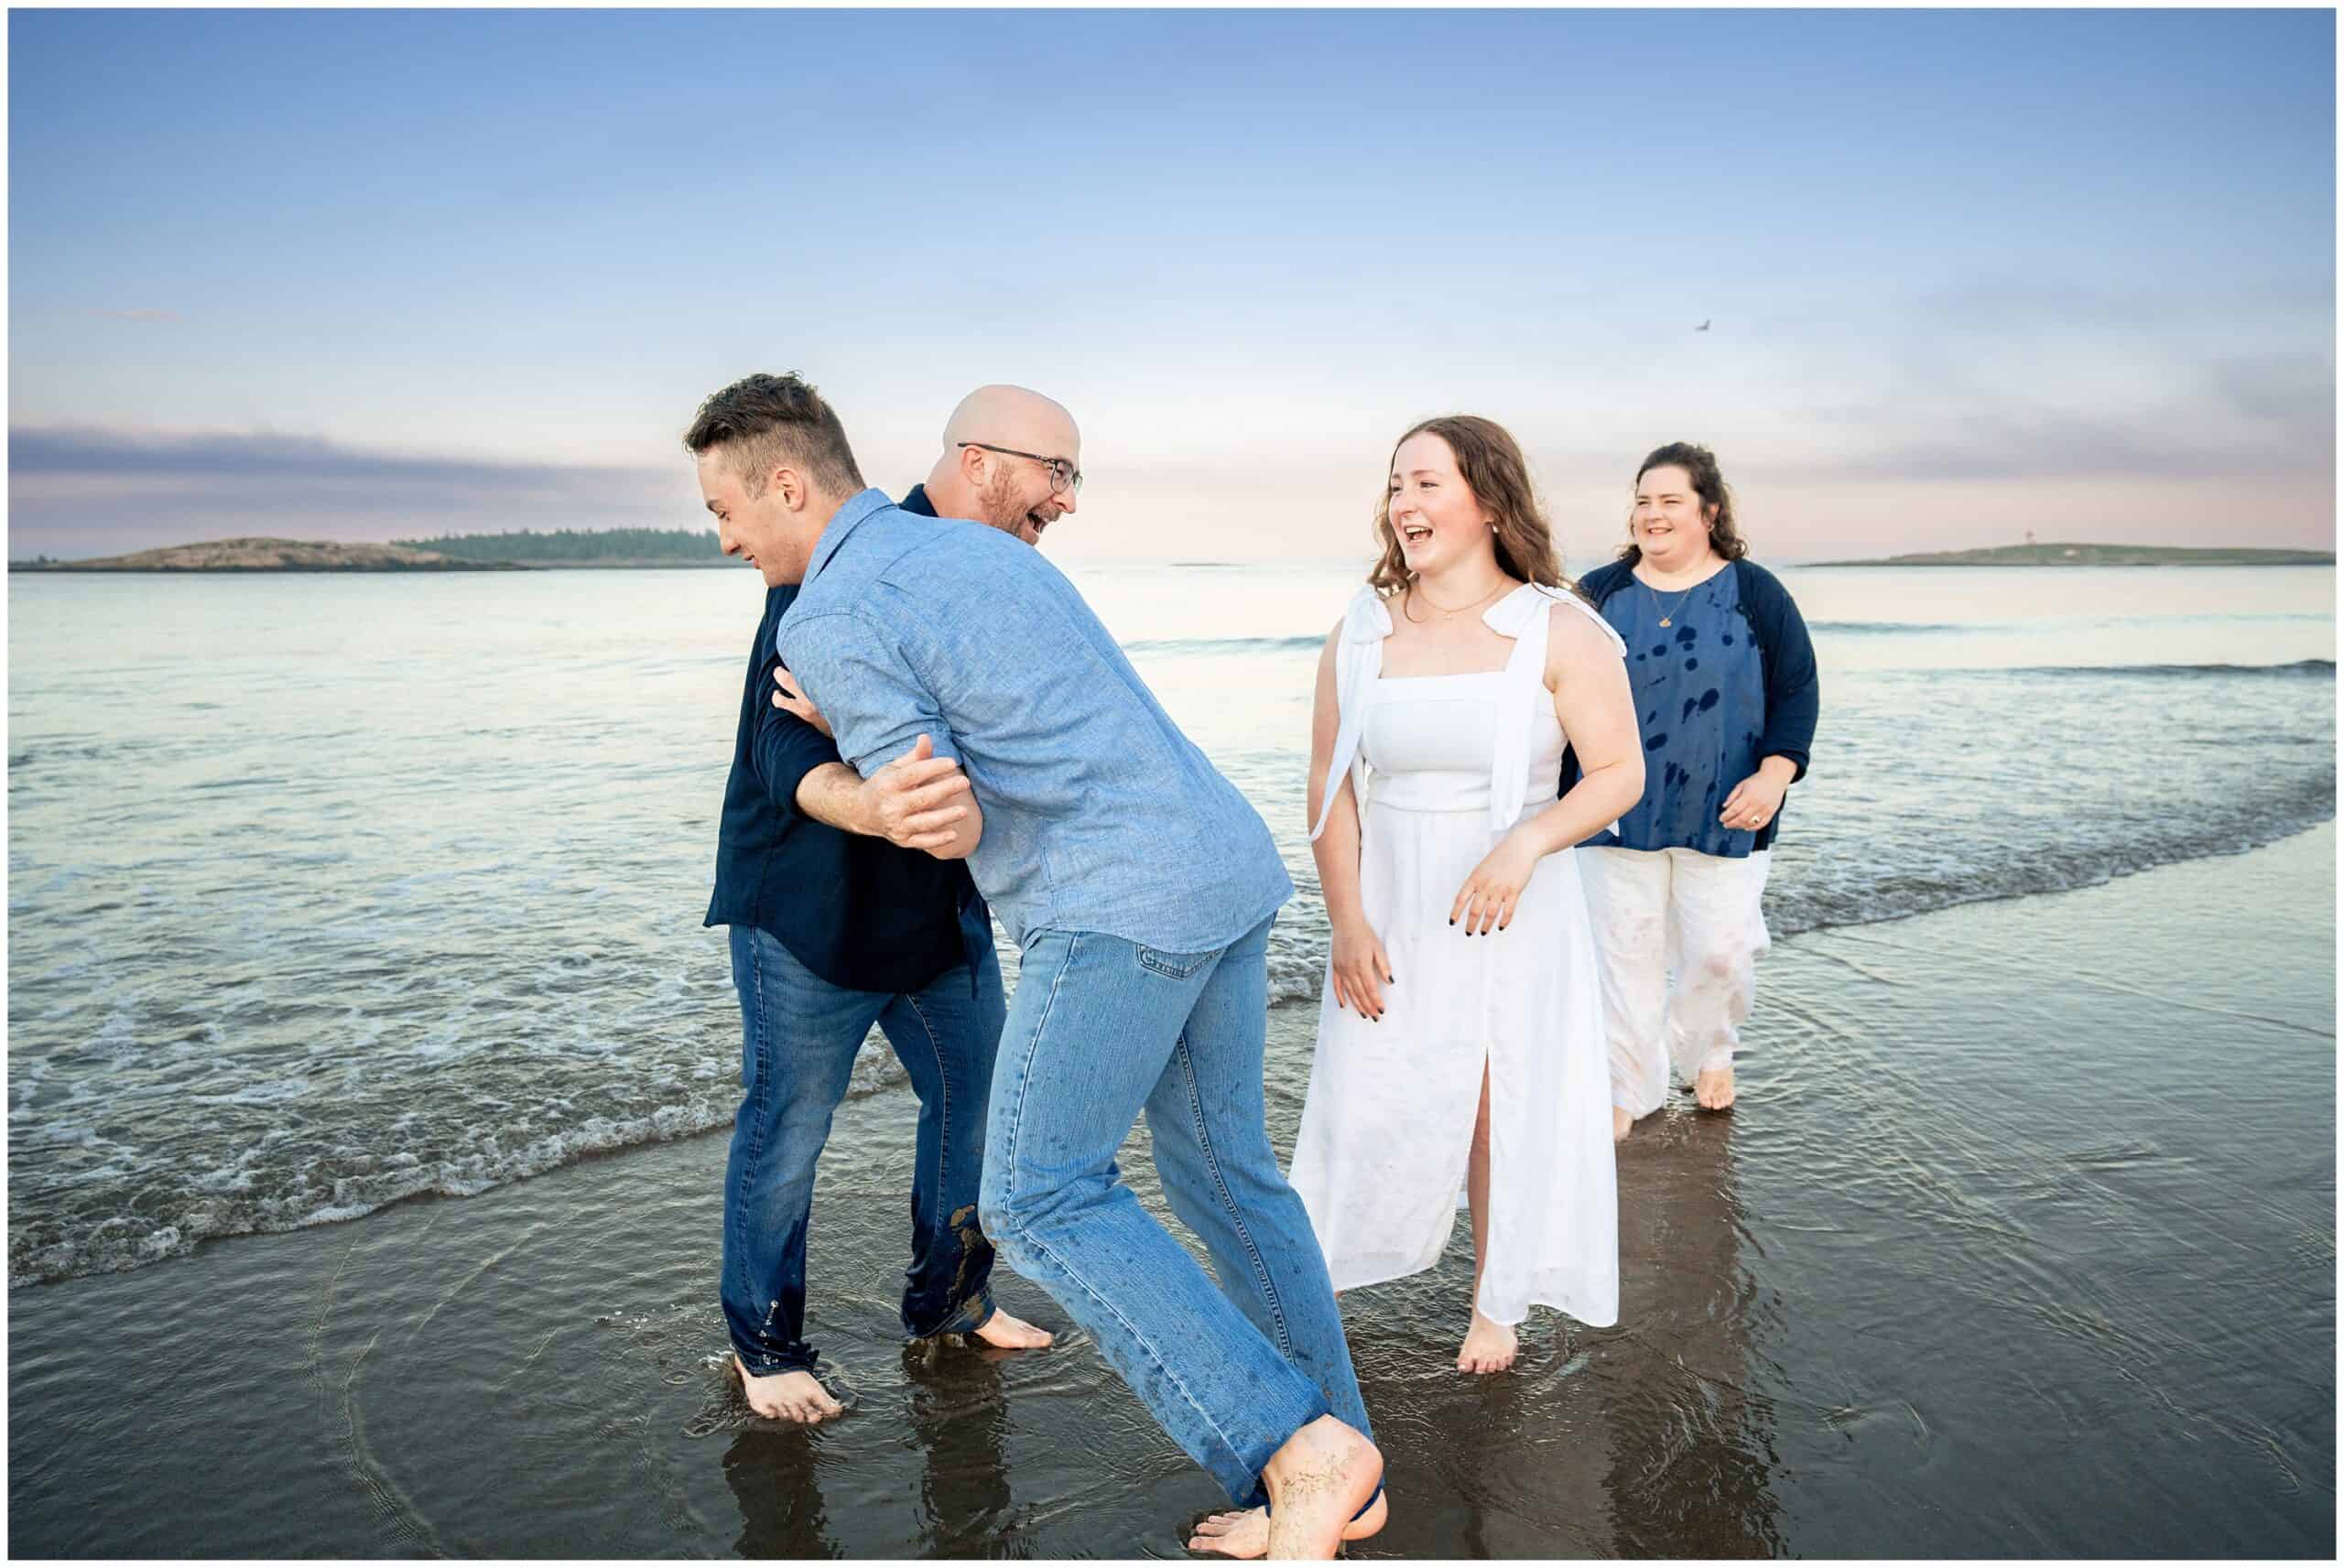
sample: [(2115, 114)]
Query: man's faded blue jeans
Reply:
[(1101, 1030), (799, 1037)]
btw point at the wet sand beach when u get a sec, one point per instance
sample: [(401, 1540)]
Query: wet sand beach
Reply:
[(2021, 1243)]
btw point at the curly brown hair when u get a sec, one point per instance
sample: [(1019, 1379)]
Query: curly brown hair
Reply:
[(1701, 465), (1499, 476)]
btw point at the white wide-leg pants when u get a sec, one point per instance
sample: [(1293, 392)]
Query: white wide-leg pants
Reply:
[(1679, 934)]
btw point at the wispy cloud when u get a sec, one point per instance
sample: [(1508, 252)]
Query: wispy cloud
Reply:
[(1994, 378), (135, 315), (265, 454), (91, 490)]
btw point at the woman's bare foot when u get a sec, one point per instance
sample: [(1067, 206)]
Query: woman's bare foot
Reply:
[(1714, 1088), (1006, 1333), (1488, 1348), (1245, 1533), (1320, 1478), (788, 1396), (1621, 1124)]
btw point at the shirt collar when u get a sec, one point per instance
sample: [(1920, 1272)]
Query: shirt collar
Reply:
[(844, 521), (918, 502)]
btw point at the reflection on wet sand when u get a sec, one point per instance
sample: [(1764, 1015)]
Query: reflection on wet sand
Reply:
[(953, 1398), (1691, 1444), (959, 1419), (1633, 1440), (772, 1478)]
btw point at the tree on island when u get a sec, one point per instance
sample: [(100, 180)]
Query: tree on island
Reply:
[(527, 544)]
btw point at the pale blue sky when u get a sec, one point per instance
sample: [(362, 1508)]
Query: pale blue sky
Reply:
[(361, 274)]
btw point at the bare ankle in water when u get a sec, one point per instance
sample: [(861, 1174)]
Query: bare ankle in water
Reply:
[(1318, 1482)]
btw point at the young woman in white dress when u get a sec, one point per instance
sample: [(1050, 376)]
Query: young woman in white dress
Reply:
[(1460, 1033)]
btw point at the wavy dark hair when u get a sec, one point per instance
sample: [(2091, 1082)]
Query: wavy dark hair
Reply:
[(1716, 500), (1499, 476), (771, 420)]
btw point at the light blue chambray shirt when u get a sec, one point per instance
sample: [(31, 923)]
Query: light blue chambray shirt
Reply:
[(1098, 814)]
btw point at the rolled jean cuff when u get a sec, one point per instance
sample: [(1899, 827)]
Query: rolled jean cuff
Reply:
[(764, 1363), (967, 1318), (1247, 1490)]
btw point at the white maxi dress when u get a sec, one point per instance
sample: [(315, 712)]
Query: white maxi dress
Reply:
[(1443, 766)]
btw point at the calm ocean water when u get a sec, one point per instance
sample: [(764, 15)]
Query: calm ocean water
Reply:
[(327, 892)]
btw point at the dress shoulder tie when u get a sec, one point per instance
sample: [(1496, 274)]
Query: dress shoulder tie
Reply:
[(1367, 621)]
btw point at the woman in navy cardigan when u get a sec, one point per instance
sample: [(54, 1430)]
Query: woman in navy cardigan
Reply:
[(1726, 694)]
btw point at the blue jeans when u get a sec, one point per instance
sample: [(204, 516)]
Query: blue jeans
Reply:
[(1101, 1030), (799, 1037)]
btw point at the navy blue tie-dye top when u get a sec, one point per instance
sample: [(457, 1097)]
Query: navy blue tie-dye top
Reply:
[(1700, 695)]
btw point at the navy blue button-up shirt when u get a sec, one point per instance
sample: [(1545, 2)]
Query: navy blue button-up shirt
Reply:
[(861, 913)]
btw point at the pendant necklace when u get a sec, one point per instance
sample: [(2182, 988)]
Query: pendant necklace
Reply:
[(1666, 614)]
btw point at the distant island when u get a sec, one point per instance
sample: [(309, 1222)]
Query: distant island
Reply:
[(254, 554), (2031, 554), (585, 547), (523, 551)]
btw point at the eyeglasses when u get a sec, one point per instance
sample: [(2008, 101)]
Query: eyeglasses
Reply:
[(1064, 475)]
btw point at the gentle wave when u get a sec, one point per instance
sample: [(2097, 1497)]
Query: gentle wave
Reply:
[(130, 1241), (112, 1246), (1226, 644), (2312, 669), (1814, 899), (1316, 640)]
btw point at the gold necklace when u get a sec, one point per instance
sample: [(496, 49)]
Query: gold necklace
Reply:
[(1655, 593), (1672, 610), (1452, 614)]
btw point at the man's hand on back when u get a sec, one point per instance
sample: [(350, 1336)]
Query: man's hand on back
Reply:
[(789, 700)]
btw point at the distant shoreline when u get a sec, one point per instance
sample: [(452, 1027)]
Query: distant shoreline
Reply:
[(2059, 554), (254, 554), (111, 568), (248, 556), (108, 568)]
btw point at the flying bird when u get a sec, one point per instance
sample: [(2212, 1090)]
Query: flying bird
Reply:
[(1702, 328)]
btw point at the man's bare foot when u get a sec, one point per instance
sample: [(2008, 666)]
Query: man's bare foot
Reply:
[(1621, 1124), (1318, 1480), (788, 1396), (1714, 1088), (1488, 1348), (1006, 1333), (1245, 1533)]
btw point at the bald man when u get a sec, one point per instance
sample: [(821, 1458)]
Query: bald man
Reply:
[(1012, 461)]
